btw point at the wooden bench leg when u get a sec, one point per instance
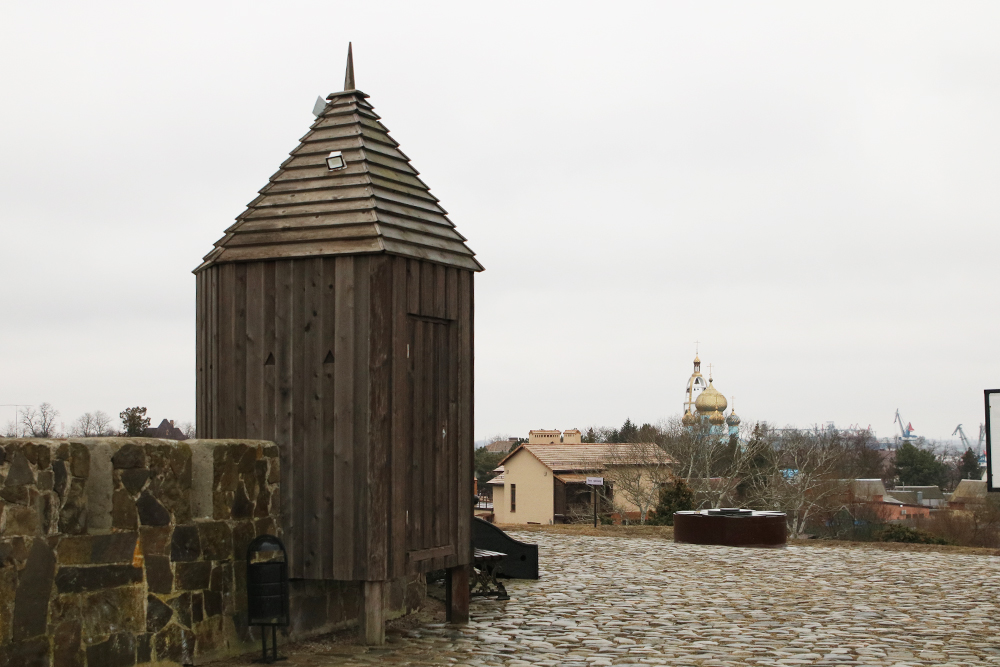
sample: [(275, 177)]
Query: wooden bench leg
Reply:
[(458, 594), (372, 620)]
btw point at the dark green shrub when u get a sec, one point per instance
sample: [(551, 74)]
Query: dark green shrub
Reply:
[(895, 532), (675, 496)]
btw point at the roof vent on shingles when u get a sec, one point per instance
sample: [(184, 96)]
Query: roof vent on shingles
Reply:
[(377, 203)]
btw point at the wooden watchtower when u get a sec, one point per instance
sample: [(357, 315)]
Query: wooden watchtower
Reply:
[(335, 318)]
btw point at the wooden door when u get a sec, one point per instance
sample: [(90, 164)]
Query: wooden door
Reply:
[(433, 390)]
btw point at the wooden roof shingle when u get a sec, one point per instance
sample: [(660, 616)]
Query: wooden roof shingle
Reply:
[(562, 458), (376, 204)]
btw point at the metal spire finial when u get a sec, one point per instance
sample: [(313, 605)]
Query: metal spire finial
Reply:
[(349, 75)]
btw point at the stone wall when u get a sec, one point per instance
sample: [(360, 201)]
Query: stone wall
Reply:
[(122, 551)]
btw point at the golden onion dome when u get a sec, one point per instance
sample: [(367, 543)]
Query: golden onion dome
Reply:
[(716, 418), (732, 419), (689, 419), (710, 400)]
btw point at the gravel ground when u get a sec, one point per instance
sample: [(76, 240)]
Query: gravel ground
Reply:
[(616, 601)]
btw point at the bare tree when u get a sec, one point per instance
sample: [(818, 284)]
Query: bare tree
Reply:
[(714, 465), (797, 474), (92, 425), (188, 429), (10, 430), (635, 471), (40, 423)]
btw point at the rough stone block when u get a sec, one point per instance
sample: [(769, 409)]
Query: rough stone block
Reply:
[(41, 455), (159, 577), (8, 587), (18, 549), (134, 479), (174, 643), (155, 540), (170, 469), (65, 608), (123, 511), (79, 460), (21, 520), (46, 480), (75, 550), (47, 508), (21, 654), (66, 645), (216, 540), (151, 512), (243, 534), (28, 450), (143, 649), (121, 609), (129, 456), (114, 548), (191, 576), (212, 635), (182, 607), (213, 603), (20, 494), (34, 586), (197, 608), (79, 579), (265, 526), (73, 516), (239, 589), (263, 504), (117, 651), (222, 578), (20, 473), (158, 614), (60, 478), (185, 545)]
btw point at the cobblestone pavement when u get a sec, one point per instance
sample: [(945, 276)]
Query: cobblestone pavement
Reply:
[(608, 601)]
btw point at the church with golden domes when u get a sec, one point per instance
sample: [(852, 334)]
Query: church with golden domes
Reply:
[(703, 403)]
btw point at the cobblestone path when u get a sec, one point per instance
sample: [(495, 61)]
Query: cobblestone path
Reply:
[(608, 601)]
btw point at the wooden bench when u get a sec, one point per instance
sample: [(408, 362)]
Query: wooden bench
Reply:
[(486, 566)]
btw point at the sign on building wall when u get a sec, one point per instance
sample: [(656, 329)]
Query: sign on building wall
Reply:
[(594, 481)]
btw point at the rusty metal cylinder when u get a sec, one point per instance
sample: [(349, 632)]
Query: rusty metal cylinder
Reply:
[(731, 527)]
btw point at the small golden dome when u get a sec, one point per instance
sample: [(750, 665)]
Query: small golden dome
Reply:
[(716, 418), (689, 419), (710, 400)]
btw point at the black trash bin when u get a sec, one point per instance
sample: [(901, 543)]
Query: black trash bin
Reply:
[(267, 589)]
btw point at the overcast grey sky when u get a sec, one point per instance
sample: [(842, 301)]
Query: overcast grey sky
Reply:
[(809, 189)]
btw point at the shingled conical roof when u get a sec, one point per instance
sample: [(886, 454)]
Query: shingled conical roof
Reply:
[(376, 203)]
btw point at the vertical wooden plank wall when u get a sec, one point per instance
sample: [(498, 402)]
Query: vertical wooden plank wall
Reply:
[(361, 367)]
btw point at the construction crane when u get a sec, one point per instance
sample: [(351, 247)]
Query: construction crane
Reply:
[(968, 445), (906, 431), (961, 435)]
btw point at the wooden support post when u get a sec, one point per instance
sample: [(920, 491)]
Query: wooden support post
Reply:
[(371, 623), (458, 594)]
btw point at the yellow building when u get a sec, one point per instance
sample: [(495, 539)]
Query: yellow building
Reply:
[(544, 481)]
